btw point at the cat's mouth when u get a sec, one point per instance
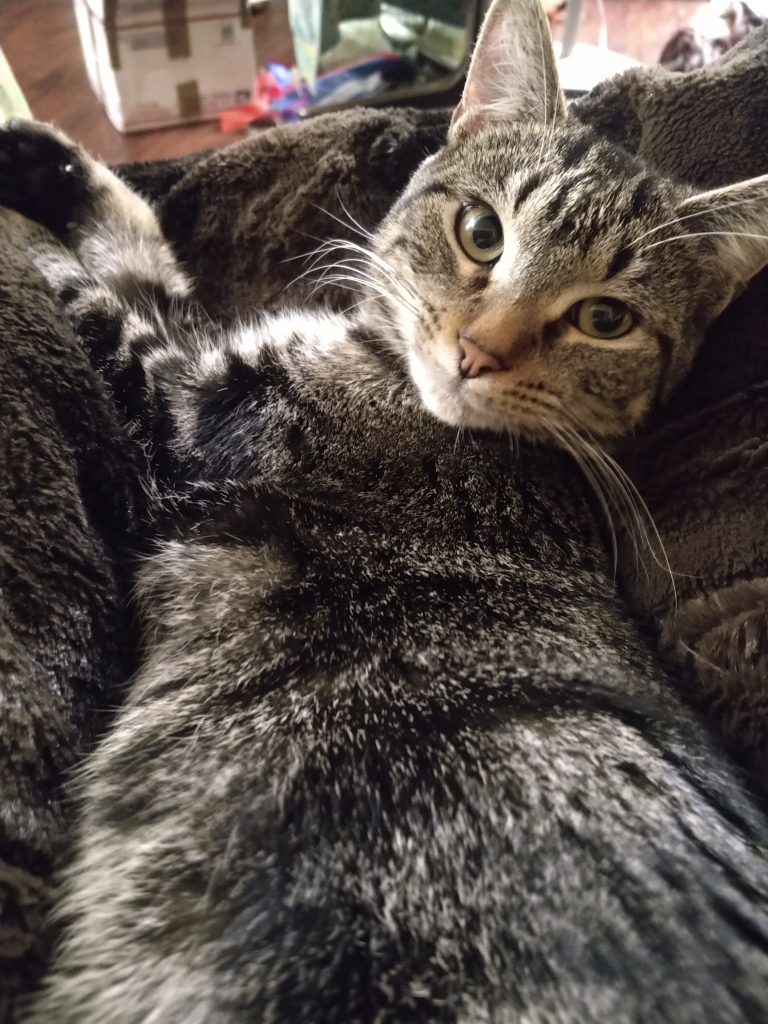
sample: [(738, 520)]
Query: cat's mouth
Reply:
[(522, 413), (458, 388), (467, 401)]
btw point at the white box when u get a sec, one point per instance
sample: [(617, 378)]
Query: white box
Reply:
[(154, 63)]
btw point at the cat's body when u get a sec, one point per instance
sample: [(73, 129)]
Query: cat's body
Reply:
[(395, 753)]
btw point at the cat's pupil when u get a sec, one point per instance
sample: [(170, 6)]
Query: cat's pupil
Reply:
[(607, 317), (486, 232), (602, 318)]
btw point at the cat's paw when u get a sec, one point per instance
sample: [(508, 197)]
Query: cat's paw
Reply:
[(43, 175)]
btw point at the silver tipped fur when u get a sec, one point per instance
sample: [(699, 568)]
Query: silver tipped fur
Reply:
[(395, 753), (581, 219)]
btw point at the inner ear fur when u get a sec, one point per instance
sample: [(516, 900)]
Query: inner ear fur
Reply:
[(513, 72), (735, 219)]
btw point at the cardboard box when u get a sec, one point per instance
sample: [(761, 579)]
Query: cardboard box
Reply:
[(154, 63)]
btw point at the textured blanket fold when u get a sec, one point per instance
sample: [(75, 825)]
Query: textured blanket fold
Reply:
[(70, 510), (69, 501)]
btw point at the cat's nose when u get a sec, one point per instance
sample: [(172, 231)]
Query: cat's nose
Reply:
[(474, 360)]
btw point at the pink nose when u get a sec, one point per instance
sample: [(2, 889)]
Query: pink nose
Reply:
[(474, 361)]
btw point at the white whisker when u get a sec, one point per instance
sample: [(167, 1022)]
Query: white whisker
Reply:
[(353, 220), (611, 485), (351, 224), (689, 216), (565, 438), (703, 234)]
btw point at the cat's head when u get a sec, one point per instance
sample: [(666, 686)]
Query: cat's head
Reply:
[(537, 277)]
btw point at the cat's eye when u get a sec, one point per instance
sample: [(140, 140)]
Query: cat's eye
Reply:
[(479, 232), (602, 318)]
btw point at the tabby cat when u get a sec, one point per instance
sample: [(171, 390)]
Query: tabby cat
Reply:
[(395, 752), (539, 279)]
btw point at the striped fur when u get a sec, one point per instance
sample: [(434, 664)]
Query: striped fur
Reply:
[(581, 219), (395, 752)]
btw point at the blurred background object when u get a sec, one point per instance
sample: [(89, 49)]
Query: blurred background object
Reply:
[(583, 65), (12, 102), (717, 27), (41, 41), (154, 63), (426, 44)]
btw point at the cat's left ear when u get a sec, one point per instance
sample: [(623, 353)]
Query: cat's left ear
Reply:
[(513, 72), (735, 220)]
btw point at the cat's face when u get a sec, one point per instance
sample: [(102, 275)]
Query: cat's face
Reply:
[(503, 243), (528, 274)]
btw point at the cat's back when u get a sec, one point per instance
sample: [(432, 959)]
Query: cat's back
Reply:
[(383, 767)]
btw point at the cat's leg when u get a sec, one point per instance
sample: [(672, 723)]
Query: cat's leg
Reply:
[(100, 247), (124, 265), (114, 231), (182, 381)]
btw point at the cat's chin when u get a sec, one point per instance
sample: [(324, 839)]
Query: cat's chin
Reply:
[(450, 400), (442, 395)]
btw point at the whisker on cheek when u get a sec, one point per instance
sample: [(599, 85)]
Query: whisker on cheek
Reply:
[(622, 493), (704, 234)]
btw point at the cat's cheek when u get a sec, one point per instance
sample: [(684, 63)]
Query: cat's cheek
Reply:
[(440, 392), (436, 390)]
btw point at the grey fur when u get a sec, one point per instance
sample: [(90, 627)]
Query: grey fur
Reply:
[(394, 752), (241, 220), (69, 502), (581, 218)]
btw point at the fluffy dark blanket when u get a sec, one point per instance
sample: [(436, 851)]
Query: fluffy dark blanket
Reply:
[(70, 518), (69, 503)]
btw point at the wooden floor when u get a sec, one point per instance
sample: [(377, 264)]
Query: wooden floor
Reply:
[(39, 38)]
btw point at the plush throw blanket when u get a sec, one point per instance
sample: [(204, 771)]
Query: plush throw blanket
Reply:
[(70, 511)]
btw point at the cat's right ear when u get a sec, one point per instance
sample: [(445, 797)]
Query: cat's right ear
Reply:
[(513, 72), (734, 221)]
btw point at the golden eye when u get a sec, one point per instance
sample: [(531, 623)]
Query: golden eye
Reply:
[(479, 232), (602, 318)]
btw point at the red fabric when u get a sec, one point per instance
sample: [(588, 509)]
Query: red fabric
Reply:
[(266, 89)]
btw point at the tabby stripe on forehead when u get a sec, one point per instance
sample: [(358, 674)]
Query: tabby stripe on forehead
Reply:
[(526, 188), (589, 230), (556, 202), (434, 188), (572, 152), (578, 224), (620, 262), (644, 191)]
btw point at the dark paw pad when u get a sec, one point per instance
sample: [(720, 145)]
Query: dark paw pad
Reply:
[(42, 175)]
